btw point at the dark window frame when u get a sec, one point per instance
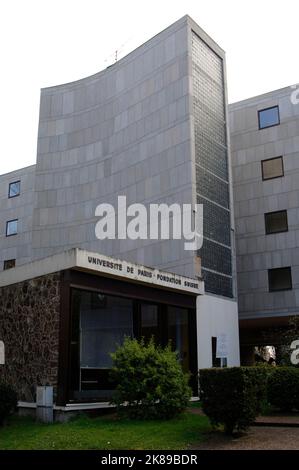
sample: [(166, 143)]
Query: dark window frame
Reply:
[(74, 280), (6, 262), (216, 361), (267, 232), (7, 224), (282, 289), (272, 177), (14, 195), (266, 109)]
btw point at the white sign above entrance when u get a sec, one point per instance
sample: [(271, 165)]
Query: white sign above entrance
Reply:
[(138, 273)]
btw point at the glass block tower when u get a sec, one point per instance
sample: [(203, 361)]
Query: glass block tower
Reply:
[(212, 168)]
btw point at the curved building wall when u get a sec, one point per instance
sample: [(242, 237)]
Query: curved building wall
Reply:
[(124, 131)]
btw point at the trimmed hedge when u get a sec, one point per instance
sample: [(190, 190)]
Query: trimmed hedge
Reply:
[(283, 388), (8, 401), (150, 381), (233, 396)]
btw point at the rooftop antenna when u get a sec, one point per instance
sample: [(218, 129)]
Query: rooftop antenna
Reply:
[(117, 51)]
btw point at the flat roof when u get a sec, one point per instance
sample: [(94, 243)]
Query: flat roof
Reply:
[(98, 264), (252, 100)]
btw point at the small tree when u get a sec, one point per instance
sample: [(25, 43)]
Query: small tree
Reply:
[(283, 388), (233, 396), (150, 381)]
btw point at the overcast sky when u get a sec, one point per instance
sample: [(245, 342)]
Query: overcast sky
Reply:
[(49, 42)]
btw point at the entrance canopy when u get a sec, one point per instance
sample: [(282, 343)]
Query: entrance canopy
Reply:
[(94, 263)]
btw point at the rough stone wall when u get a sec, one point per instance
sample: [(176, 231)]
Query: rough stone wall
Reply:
[(29, 327)]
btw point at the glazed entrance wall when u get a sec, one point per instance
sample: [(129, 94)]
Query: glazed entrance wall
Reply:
[(97, 312), (101, 322)]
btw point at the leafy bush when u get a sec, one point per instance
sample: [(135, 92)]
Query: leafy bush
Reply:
[(8, 401), (150, 381), (233, 396), (283, 388)]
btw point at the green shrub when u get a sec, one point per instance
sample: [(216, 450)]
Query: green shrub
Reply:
[(232, 396), (283, 388), (259, 377), (150, 381), (8, 401)]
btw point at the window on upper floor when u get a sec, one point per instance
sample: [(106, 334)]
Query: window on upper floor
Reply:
[(11, 227), (272, 168), (8, 264), (276, 222), (268, 117), (14, 189), (280, 279)]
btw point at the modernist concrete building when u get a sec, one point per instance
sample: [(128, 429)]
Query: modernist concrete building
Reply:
[(151, 127), (265, 159)]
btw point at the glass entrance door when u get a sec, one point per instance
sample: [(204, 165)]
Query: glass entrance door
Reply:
[(149, 322)]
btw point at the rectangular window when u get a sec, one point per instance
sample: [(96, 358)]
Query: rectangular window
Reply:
[(276, 222), (8, 264), (104, 322), (14, 189), (11, 227), (272, 168), (268, 117), (280, 279)]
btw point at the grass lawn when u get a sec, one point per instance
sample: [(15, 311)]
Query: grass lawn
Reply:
[(105, 432)]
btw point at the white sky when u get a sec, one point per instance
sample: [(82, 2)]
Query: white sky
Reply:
[(49, 42)]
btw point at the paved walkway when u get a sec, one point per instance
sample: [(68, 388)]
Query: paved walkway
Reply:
[(257, 438), (278, 419), (275, 432)]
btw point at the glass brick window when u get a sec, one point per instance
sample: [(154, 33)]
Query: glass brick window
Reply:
[(280, 279), (211, 164), (14, 189), (268, 117), (11, 227), (272, 168), (8, 264), (276, 222)]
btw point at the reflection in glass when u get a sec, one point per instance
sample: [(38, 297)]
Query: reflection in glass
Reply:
[(14, 189), (104, 322), (149, 321), (178, 333), (268, 117), (12, 227)]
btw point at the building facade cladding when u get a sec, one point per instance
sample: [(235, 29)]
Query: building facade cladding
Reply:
[(151, 127), (212, 167), (125, 131), (261, 190), (20, 208)]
